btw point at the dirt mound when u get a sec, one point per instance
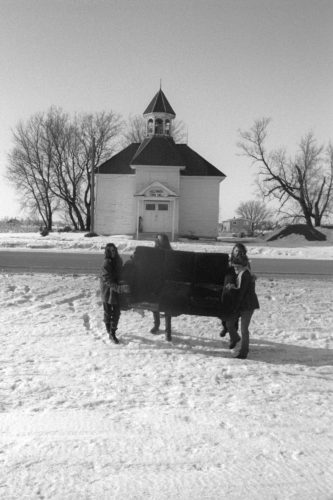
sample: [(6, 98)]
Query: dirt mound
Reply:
[(309, 233)]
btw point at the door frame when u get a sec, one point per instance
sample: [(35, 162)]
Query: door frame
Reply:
[(173, 207)]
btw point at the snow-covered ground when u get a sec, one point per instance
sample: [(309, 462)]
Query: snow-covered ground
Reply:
[(81, 418), (293, 246)]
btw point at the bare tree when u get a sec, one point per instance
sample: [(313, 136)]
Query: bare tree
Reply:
[(29, 170), (79, 145), (52, 161), (255, 211), (99, 137), (305, 180), (135, 130)]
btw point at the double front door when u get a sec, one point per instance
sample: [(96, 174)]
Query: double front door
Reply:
[(157, 217)]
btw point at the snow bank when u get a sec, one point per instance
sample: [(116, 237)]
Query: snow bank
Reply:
[(294, 247)]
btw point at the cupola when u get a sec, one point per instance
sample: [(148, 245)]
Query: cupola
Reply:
[(159, 115)]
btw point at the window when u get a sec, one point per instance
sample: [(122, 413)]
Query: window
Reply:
[(159, 126), (163, 206), (150, 206), (167, 127), (150, 126)]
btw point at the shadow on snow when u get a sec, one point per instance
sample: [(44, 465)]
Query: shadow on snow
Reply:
[(260, 350)]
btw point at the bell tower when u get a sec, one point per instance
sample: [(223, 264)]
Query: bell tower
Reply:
[(158, 116)]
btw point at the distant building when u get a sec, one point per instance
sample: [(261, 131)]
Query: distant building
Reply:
[(237, 227), (158, 185)]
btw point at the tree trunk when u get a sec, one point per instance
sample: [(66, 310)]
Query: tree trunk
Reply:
[(49, 222), (308, 220), (317, 216), (306, 213), (49, 216), (317, 221), (70, 213), (78, 216), (88, 222)]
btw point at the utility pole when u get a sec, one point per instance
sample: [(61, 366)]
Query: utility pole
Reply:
[(92, 188)]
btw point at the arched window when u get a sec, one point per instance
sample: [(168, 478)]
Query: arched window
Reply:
[(158, 126), (167, 127), (150, 126)]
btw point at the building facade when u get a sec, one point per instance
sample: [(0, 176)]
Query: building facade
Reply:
[(158, 185)]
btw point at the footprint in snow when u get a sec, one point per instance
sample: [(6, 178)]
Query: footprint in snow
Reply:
[(44, 306), (326, 369), (86, 321)]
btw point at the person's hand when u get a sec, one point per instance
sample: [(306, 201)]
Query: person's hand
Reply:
[(230, 286)]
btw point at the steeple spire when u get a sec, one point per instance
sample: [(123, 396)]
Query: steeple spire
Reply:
[(159, 115)]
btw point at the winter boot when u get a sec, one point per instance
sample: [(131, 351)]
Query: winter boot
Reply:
[(168, 327), (112, 337), (168, 336), (234, 342), (156, 322), (223, 332)]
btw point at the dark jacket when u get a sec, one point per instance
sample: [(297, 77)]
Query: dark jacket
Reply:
[(229, 295), (109, 279), (246, 297)]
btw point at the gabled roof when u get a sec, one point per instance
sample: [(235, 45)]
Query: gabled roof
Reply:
[(159, 104), (159, 151)]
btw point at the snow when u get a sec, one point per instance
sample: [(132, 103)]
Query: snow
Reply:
[(81, 418), (293, 246)]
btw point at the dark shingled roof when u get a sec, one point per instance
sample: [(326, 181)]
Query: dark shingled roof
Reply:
[(159, 151), (119, 163), (159, 104), (196, 164)]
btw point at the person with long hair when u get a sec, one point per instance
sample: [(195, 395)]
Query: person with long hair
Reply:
[(109, 283), (238, 249), (246, 301), (162, 243)]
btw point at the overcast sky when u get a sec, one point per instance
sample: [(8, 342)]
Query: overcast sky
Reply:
[(223, 63)]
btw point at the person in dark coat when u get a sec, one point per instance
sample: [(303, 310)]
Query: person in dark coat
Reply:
[(109, 282), (246, 302), (238, 249), (162, 242)]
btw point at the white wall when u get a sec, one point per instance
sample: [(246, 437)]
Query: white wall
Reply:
[(169, 176), (199, 205), (115, 204)]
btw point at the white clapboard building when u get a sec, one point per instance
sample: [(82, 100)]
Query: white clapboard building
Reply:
[(158, 185)]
